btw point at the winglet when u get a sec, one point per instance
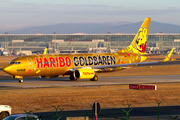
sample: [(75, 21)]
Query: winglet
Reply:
[(45, 51), (169, 55)]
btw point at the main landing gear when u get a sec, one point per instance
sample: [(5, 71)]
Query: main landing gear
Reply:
[(72, 78), (95, 78), (20, 80), (18, 77)]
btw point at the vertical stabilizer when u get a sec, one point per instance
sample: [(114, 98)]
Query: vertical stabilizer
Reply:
[(169, 55), (45, 51), (139, 43)]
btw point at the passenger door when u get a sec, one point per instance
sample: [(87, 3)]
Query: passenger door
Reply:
[(30, 63)]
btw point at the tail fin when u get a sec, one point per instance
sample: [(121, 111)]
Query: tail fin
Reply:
[(139, 43), (45, 50), (169, 55)]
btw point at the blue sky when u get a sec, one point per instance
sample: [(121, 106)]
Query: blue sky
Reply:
[(16, 14)]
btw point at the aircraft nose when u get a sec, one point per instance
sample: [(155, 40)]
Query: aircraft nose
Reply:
[(7, 69)]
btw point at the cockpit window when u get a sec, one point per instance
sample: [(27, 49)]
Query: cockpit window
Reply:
[(15, 63)]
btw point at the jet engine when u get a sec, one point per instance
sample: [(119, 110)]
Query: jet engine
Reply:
[(84, 73)]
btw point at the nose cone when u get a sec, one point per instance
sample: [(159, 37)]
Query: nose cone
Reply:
[(7, 69)]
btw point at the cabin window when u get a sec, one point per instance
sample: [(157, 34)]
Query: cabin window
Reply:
[(15, 63)]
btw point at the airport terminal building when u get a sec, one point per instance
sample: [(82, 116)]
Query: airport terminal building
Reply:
[(83, 41)]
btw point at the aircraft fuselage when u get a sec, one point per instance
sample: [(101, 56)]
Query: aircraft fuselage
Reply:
[(44, 65)]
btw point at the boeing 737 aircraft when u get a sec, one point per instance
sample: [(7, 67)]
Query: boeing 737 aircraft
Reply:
[(82, 66)]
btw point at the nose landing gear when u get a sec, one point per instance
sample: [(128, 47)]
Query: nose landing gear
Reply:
[(18, 77), (20, 80)]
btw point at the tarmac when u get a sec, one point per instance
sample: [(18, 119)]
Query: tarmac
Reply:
[(137, 113), (103, 81)]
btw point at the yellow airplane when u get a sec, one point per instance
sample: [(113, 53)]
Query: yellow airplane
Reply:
[(82, 66)]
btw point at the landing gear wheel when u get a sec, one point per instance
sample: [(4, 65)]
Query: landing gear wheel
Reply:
[(3, 115), (20, 80), (95, 78), (72, 78)]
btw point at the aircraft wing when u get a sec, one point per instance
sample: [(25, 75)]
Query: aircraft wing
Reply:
[(125, 65), (153, 63), (167, 58), (128, 65), (118, 66), (153, 54)]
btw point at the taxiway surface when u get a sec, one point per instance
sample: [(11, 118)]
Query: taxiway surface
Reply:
[(64, 81)]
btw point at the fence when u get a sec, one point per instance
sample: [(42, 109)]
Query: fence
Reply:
[(57, 116)]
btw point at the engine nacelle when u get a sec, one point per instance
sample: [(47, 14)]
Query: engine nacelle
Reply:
[(84, 73)]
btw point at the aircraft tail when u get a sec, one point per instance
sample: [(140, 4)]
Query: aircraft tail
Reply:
[(139, 43), (169, 55), (45, 51)]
